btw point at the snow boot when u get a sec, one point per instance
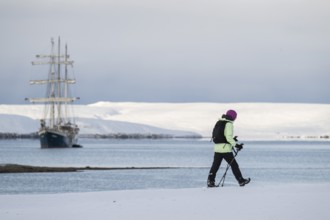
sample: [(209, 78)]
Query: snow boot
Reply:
[(210, 183), (243, 182)]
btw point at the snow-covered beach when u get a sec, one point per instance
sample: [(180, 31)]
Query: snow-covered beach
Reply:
[(255, 202)]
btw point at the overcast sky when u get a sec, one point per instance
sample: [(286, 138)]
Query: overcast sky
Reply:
[(172, 50)]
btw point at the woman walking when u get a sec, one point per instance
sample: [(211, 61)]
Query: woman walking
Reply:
[(224, 142)]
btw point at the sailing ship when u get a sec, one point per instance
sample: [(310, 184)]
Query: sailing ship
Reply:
[(57, 127)]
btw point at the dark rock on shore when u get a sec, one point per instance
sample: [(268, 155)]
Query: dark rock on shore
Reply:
[(17, 168)]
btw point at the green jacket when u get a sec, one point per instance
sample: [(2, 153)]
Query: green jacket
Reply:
[(229, 134)]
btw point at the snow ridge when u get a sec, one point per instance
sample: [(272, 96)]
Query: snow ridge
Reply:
[(265, 121)]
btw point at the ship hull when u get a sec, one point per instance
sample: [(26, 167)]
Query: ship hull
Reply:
[(53, 139)]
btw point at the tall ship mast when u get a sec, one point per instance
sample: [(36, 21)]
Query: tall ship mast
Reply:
[(57, 127)]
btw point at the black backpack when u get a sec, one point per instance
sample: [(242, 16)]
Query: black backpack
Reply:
[(218, 132)]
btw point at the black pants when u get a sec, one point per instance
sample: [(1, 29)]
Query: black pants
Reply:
[(229, 157)]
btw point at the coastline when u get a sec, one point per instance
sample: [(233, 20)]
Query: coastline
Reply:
[(17, 168)]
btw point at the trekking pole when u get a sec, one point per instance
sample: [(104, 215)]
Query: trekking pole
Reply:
[(222, 180)]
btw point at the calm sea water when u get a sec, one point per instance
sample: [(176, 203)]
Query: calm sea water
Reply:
[(265, 162)]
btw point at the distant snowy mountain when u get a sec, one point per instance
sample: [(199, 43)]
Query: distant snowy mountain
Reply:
[(262, 121)]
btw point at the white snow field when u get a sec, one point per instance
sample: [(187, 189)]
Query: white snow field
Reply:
[(268, 202), (256, 121)]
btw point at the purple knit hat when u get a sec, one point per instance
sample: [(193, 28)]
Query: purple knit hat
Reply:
[(231, 114)]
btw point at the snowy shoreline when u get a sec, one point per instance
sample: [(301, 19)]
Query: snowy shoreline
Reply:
[(256, 121), (252, 202)]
